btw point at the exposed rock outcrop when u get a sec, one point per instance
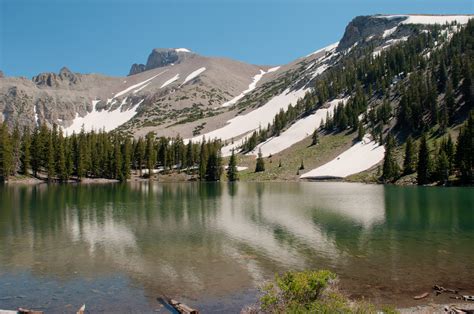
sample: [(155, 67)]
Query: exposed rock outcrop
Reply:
[(65, 77), (160, 57), (365, 26), (136, 68)]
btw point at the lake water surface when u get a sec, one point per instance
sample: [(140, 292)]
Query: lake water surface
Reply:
[(117, 247)]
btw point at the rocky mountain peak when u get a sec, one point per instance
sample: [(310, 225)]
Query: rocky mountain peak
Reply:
[(160, 57), (365, 26), (64, 77)]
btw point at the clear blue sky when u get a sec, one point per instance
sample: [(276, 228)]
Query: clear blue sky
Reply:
[(107, 36)]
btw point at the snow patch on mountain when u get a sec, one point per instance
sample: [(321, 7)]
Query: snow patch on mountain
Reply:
[(136, 85), (36, 114), (298, 131), (140, 88), (102, 120), (171, 80), (193, 75), (251, 87), (320, 70), (331, 47), (243, 124), (361, 156), (389, 32), (182, 50), (430, 19)]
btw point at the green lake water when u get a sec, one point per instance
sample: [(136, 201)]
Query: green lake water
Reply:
[(117, 247)]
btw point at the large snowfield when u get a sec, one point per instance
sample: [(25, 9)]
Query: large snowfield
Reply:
[(102, 120), (298, 131), (259, 117), (361, 156)]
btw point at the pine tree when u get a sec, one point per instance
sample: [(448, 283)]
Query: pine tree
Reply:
[(150, 153), (409, 162), (140, 155), (51, 166), (465, 151), (127, 158), (260, 166), (213, 169), (118, 166), (5, 153), (69, 158), (442, 167), (203, 160), (189, 155), (424, 162), (450, 102), (37, 149), (16, 149), (467, 85), (61, 168), (360, 131), (25, 151), (315, 138), (232, 174), (81, 152), (390, 169), (442, 77)]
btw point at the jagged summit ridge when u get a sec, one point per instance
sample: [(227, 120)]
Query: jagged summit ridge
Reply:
[(160, 57), (64, 77)]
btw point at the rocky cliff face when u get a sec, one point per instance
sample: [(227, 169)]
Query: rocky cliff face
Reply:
[(161, 57), (136, 68), (362, 27), (64, 78)]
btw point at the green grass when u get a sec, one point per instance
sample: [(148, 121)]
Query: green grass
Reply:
[(312, 156)]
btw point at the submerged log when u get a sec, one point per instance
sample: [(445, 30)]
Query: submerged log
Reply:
[(26, 311), (438, 288), (421, 296), (82, 309), (182, 308)]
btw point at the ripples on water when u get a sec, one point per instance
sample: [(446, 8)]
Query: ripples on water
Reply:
[(120, 246)]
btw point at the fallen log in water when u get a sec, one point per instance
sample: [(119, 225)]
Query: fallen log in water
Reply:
[(21, 311), (440, 289), (421, 296), (182, 308)]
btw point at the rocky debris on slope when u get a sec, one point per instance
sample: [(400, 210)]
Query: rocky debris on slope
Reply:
[(160, 57), (64, 77), (364, 26)]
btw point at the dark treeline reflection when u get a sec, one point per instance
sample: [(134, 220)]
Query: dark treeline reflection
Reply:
[(429, 208)]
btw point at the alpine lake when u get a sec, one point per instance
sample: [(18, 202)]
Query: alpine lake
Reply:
[(119, 247)]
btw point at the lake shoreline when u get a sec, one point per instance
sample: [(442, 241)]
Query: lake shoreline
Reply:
[(185, 178)]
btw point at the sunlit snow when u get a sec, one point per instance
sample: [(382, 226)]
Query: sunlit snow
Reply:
[(193, 75), (251, 87), (171, 80), (298, 131), (102, 120), (361, 156), (251, 121)]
